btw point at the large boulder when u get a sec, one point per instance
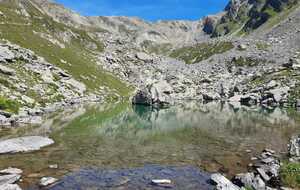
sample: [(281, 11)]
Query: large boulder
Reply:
[(249, 99), (156, 94), (160, 92), (280, 94), (142, 97)]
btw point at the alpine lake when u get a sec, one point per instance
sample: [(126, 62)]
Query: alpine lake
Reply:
[(121, 146)]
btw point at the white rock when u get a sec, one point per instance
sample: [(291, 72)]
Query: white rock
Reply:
[(223, 183), (6, 54), (143, 56), (10, 187), (7, 70), (24, 144), (161, 181), (11, 171), (45, 181), (27, 99), (9, 179)]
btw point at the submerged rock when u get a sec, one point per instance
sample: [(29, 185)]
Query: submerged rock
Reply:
[(24, 144), (11, 171), (46, 181)]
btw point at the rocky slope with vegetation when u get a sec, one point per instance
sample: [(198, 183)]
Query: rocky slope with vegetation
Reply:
[(109, 57)]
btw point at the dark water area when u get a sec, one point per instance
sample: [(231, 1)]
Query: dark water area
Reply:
[(120, 137), (188, 178)]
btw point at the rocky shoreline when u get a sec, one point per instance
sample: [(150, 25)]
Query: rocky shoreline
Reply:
[(263, 173)]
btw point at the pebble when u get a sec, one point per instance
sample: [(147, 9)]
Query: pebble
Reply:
[(53, 166)]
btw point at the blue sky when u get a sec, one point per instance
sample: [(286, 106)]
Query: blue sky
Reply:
[(150, 10)]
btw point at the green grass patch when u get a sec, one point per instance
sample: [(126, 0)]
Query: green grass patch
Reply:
[(246, 61), (200, 52), (276, 18), (290, 174), (262, 46), (9, 105), (159, 49)]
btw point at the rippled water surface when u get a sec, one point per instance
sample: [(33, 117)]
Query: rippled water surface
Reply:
[(211, 137)]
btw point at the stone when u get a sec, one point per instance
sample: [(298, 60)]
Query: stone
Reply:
[(143, 56), (24, 144), (236, 98), (6, 54), (279, 94), (244, 179), (6, 70), (222, 183), (27, 99), (10, 187), (142, 97), (269, 150), (272, 84), (258, 183), (263, 174), (249, 99), (268, 160), (46, 181), (53, 166), (298, 103), (160, 92), (11, 171), (210, 96), (294, 146), (242, 47), (9, 179), (162, 182)]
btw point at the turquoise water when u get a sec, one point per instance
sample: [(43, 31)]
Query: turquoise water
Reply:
[(211, 137)]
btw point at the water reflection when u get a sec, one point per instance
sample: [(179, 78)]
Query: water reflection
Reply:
[(210, 136)]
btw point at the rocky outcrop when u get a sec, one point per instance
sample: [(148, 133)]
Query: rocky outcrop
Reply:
[(156, 94), (246, 15)]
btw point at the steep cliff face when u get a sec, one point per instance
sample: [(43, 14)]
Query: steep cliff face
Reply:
[(244, 16)]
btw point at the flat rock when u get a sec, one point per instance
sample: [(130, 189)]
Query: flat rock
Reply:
[(24, 144), (11, 171), (143, 56), (46, 181), (263, 174), (9, 179), (10, 187)]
